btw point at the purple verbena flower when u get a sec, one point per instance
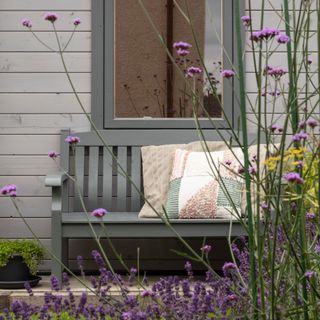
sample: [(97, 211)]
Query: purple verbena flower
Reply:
[(26, 23), (268, 33), (299, 136), (265, 206), (276, 128), (182, 45), (51, 16), (300, 164), (99, 213), (72, 139), (255, 36), (293, 177), (206, 248), (227, 73), (192, 71), (53, 154), (277, 73), (76, 21), (283, 38), (302, 124), (246, 20), (9, 190), (241, 170), (312, 123), (252, 170)]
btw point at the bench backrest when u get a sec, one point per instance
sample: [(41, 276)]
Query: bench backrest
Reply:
[(98, 176)]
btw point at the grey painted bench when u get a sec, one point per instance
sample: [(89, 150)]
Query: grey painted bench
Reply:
[(102, 186)]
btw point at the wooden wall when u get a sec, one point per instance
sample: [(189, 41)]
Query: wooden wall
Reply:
[(36, 102)]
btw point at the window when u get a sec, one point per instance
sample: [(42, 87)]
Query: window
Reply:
[(135, 83)]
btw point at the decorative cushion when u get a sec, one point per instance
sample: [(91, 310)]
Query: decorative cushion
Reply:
[(195, 191), (157, 164)]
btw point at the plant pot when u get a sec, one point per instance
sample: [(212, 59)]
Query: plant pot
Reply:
[(15, 270)]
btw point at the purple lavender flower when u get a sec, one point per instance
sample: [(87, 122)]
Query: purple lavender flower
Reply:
[(312, 123), (28, 288), (246, 20), (133, 270), (9, 190), (309, 274), (54, 283), (310, 216), (188, 268), (283, 38), (99, 213), (51, 16), (227, 73), (76, 21), (98, 258), (293, 177), (147, 293), (192, 71), (206, 248), (72, 139), (229, 268), (52, 154), (26, 23)]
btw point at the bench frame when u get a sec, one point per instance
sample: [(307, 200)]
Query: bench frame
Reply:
[(67, 222)]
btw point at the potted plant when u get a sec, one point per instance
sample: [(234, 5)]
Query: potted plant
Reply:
[(19, 262)]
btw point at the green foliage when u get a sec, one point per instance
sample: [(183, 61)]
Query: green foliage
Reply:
[(31, 252)]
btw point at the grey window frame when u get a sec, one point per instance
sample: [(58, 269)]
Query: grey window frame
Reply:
[(102, 83)]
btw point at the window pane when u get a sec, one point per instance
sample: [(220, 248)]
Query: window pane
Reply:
[(147, 84)]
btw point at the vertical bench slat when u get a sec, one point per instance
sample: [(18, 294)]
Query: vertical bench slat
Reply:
[(93, 178), (121, 180), (107, 180), (136, 178), (79, 171)]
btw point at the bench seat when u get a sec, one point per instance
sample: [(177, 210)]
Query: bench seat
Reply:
[(129, 225)]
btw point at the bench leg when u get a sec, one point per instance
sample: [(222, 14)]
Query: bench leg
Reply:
[(57, 243)]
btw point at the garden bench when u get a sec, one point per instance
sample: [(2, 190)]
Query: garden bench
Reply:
[(102, 186)]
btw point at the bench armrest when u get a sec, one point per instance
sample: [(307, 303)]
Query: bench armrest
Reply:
[(55, 180)]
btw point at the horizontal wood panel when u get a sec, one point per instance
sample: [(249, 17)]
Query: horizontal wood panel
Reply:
[(27, 165), (41, 103), (15, 227), (276, 19), (44, 82), (45, 5), (279, 59), (272, 4), (44, 62), (251, 84), (25, 41), (11, 20), (28, 144), (41, 123), (28, 186), (30, 207)]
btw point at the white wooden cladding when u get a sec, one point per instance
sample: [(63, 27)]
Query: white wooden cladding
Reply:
[(101, 182)]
